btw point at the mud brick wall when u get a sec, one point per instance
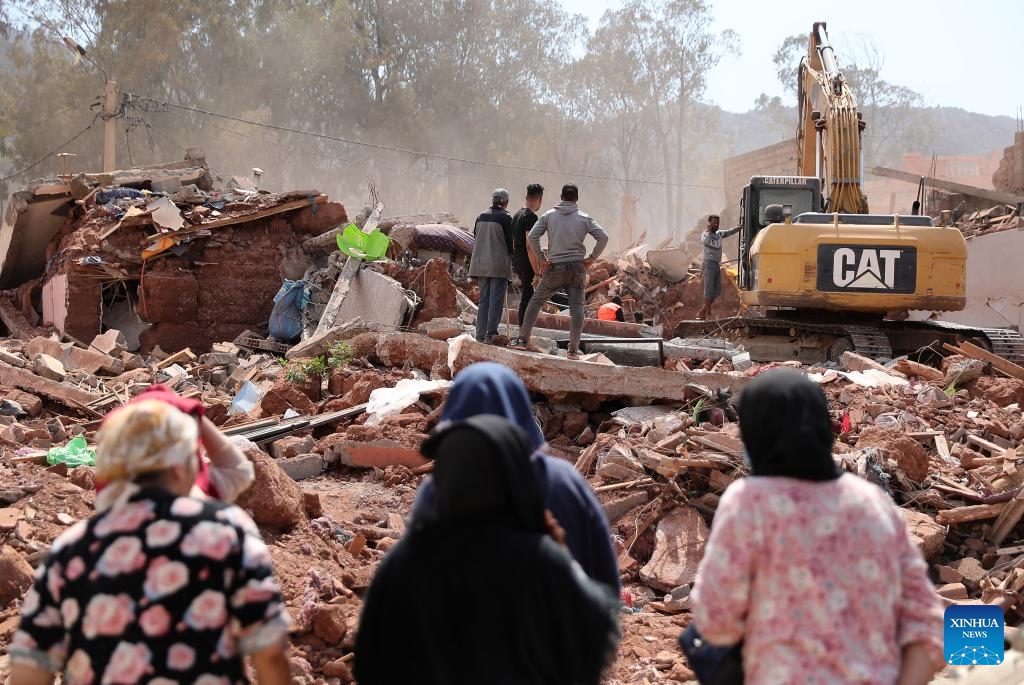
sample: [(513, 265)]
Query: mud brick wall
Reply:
[(83, 306)]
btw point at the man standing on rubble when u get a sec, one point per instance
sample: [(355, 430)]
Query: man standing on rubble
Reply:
[(565, 264), (711, 267), (490, 264), (524, 262)]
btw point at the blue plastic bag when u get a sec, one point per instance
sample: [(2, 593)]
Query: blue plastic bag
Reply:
[(286, 317)]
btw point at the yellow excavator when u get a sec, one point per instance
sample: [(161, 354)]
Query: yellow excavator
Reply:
[(825, 273)]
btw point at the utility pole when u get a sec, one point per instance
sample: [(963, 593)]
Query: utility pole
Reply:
[(110, 127), (109, 106)]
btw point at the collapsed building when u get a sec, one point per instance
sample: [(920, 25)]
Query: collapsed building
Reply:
[(166, 274)]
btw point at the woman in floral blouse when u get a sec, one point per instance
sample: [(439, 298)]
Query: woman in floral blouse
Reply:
[(815, 572), (159, 587)]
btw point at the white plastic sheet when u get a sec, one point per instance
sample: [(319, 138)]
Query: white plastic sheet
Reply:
[(386, 402)]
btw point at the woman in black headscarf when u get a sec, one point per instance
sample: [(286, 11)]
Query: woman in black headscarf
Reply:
[(483, 592), (814, 571)]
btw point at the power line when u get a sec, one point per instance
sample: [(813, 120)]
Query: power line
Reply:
[(347, 160), (419, 153), (52, 152)]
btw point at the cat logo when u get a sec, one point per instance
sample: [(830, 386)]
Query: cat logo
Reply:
[(861, 268)]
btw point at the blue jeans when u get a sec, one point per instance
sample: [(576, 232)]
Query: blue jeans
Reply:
[(492, 303)]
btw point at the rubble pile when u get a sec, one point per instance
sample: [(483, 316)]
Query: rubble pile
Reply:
[(333, 422), (992, 220), (335, 445)]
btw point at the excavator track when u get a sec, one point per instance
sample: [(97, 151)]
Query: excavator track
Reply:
[(874, 341)]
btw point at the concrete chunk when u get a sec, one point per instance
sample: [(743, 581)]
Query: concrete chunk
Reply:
[(678, 549), (319, 343), (928, 534), (89, 361), (112, 342), (46, 366)]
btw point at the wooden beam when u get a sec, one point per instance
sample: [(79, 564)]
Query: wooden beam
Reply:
[(974, 512), (997, 362), (949, 186), (344, 282), (1008, 519)]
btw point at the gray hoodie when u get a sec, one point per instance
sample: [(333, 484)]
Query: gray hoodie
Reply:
[(566, 227)]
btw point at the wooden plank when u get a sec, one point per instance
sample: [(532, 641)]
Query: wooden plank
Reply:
[(973, 512), (1004, 365), (991, 447), (252, 216), (941, 184), (177, 357)]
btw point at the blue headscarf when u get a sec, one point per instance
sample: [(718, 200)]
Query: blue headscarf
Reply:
[(489, 388)]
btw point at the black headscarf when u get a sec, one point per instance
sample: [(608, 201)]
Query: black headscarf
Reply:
[(480, 593), (786, 427), (501, 488)]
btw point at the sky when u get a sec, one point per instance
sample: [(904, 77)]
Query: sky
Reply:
[(956, 53)]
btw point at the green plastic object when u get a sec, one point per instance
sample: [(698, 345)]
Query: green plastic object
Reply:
[(75, 453), (368, 247)]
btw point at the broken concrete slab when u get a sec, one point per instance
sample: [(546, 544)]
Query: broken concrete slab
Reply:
[(89, 361), (678, 549), (377, 298), (24, 379), (560, 378)]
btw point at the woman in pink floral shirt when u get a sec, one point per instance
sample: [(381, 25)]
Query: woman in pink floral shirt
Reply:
[(157, 587), (815, 572)]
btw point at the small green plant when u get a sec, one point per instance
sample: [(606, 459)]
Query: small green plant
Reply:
[(317, 366), (339, 354), (295, 375), (697, 410), (951, 390), (282, 361)]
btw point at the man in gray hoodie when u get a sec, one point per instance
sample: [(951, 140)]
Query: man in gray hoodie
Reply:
[(565, 263)]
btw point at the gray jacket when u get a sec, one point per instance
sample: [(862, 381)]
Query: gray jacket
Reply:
[(492, 245), (712, 243), (566, 227)]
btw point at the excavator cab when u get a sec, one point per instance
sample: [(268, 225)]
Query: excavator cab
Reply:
[(800, 193)]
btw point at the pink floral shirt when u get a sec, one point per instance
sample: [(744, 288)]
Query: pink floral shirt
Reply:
[(160, 589), (821, 580)]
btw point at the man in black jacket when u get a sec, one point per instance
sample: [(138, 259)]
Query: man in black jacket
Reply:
[(523, 261)]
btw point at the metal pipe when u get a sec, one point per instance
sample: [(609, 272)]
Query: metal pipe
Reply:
[(828, 57)]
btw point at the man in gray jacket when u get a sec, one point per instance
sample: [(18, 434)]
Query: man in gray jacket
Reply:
[(565, 263), (491, 264), (711, 267)]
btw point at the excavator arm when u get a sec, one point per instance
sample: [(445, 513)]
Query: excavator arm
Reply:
[(829, 127)]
